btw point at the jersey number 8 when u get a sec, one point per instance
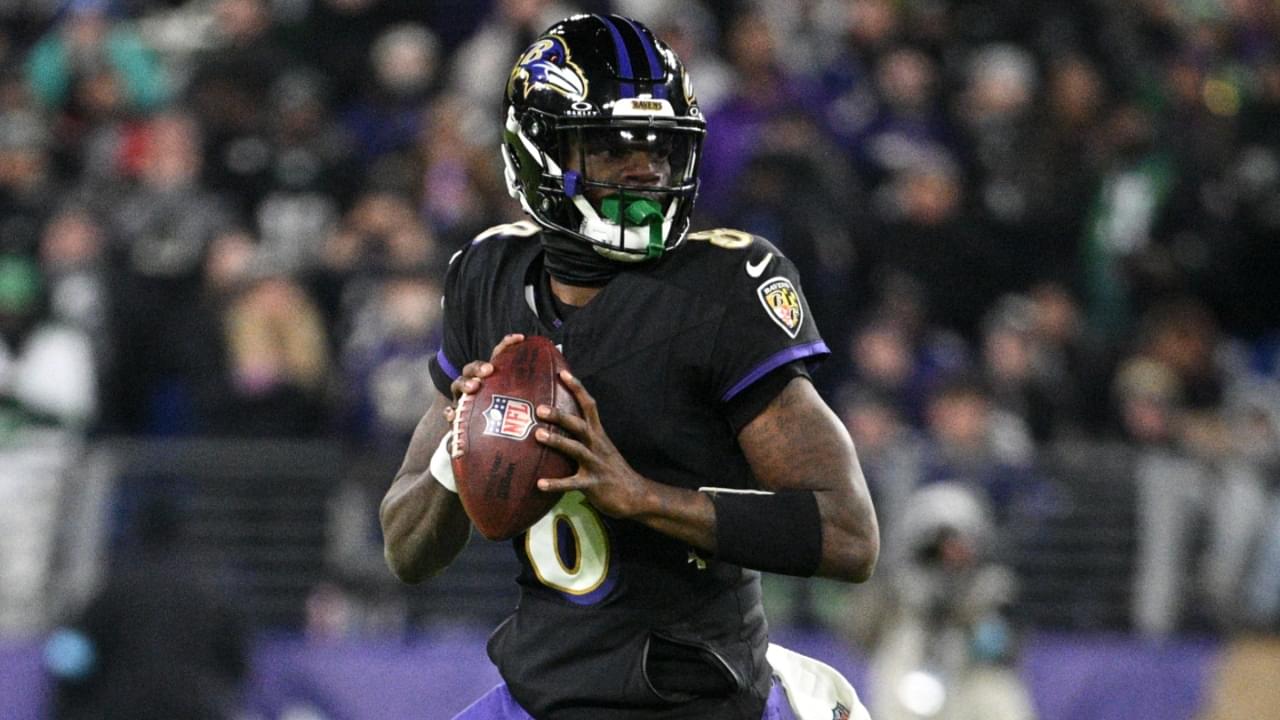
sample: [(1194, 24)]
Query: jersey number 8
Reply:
[(724, 238)]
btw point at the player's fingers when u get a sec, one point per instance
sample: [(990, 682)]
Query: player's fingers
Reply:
[(476, 369), (506, 342), (469, 380), (462, 386), (449, 412), (564, 443), (571, 423), (564, 484), (585, 401)]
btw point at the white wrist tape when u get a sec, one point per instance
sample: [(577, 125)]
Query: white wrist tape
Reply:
[(442, 465)]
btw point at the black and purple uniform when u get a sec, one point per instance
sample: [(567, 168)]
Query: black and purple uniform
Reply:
[(616, 620)]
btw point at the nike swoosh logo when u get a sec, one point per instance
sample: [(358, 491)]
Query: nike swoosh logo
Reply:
[(755, 270)]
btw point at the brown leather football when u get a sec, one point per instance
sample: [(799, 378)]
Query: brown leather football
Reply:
[(496, 459)]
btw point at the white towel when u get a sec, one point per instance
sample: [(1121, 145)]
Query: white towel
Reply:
[(815, 690)]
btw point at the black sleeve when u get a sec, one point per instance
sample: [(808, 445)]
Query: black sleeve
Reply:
[(746, 405), (766, 327), (477, 281), (446, 365)]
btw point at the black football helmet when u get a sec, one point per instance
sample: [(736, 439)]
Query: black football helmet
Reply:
[(595, 86)]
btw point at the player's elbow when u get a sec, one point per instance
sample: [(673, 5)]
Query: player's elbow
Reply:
[(403, 567), (417, 548), (397, 547), (403, 571), (852, 557), (850, 537), (863, 559), (413, 561)]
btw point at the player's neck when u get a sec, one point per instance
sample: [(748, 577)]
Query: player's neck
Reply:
[(576, 295)]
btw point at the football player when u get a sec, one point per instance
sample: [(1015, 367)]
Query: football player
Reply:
[(705, 454)]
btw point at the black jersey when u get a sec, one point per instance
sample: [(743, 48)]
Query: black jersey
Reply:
[(665, 348)]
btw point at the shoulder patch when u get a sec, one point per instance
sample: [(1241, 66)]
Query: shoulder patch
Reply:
[(782, 302)]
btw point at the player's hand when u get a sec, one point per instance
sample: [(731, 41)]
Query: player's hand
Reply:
[(604, 476), (474, 372)]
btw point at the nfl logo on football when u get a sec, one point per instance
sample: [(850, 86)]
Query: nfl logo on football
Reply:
[(508, 417)]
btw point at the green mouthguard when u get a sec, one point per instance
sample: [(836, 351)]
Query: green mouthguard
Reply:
[(629, 211)]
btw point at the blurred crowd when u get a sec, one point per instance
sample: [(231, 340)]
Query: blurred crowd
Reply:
[(1019, 222)]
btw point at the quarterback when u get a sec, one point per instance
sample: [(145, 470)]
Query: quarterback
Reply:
[(705, 455)]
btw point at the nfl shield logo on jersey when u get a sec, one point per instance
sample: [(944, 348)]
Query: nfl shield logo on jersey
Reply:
[(840, 712), (782, 301), (508, 417)]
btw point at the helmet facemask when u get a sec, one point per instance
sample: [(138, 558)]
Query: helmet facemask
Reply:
[(624, 185)]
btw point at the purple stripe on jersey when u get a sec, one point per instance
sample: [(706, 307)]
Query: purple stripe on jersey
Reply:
[(624, 59), (655, 67), (775, 361), (447, 366)]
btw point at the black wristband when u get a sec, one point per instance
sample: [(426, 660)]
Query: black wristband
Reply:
[(774, 532)]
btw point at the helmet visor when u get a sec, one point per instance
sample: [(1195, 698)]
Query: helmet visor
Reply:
[(654, 161)]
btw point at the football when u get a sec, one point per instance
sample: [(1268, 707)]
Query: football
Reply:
[(496, 459)]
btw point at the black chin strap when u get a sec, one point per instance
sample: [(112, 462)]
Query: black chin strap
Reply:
[(574, 262)]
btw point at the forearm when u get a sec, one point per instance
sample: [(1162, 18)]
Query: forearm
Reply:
[(787, 532), (424, 526), (685, 515)]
